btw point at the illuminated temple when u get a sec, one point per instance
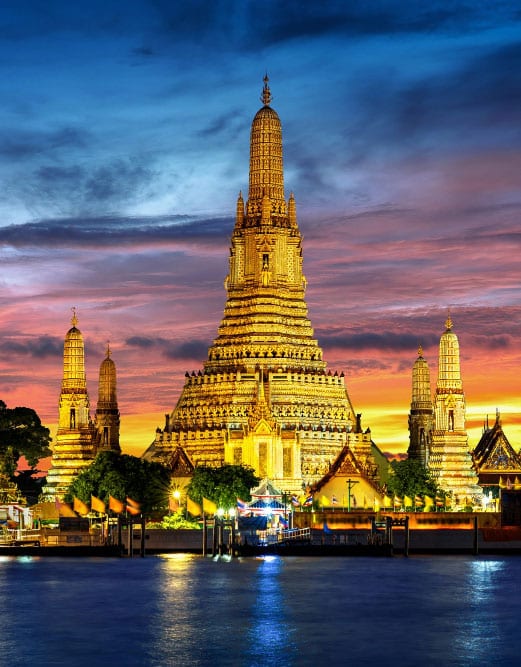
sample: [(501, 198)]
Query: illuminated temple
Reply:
[(437, 430), (265, 397), (78, 438)]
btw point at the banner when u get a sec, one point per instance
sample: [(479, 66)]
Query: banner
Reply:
[(209, 507), (97, 505), (116, 505), (80, 507), (193, 507)]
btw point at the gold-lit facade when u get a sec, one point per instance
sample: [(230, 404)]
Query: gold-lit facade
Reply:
[(78, 438), (265, 397), (450, 460)]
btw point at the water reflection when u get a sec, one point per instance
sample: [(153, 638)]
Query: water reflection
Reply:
[(191, 611)]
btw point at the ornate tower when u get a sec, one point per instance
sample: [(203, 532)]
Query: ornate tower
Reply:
[(107, 413), (421, 416), (265, 397), (450, 460), (74, 447)]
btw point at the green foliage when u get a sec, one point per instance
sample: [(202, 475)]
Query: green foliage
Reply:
[(21, 433), (122, 475), (222, 485), (410, 477), (176, 521)]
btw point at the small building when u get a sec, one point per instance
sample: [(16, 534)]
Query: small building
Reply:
[(495, 460)]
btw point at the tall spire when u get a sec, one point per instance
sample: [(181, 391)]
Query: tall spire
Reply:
[(74, 360), (266, 169), (74, 447), (107, 412), (449, 374), (266, 92), (450, 460), (265, 398), (421, 418)]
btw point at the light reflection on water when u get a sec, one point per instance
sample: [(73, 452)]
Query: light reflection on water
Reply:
[(185, 610)]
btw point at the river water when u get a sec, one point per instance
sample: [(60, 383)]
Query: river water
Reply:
[(188, 610)]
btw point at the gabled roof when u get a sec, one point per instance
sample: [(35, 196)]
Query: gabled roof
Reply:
[(265, 490), (180, 463), (344, 466), (494, 452)]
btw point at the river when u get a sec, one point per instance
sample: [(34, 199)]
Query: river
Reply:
[(186, 610)]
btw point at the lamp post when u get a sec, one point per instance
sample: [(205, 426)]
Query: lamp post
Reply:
[(350, 483)]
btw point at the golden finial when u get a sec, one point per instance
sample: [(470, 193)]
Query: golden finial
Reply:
[(108, 349), (448, 323), (266, 92), (420, 351), (74, 320)]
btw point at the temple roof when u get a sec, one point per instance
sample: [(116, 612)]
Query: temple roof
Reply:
[(494, 452), (345, 464)]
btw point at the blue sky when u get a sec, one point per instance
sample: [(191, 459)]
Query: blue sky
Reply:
[(124, 141)]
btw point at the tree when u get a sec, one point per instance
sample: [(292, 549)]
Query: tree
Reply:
[(222, 485), (21, 434), (409, 477), (122, 476)]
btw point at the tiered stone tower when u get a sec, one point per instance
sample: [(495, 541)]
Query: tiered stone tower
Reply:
[(265, 397), (450, 460), (421, 416), (74, 447), (78, 439), (107, 412)]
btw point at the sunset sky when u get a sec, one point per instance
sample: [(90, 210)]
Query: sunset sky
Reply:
[(124, 141)]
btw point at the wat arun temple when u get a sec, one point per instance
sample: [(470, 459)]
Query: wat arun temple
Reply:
[(265, 397)]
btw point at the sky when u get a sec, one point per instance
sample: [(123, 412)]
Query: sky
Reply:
[(124, 142)]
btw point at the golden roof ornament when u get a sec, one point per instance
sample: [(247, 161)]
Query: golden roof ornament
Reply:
[(74, 319), (266, 92), (420, 351), (448, 323)]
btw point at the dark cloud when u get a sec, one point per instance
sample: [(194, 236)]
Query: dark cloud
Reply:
[(251, 25), (38, 348), (19, 144), (474, 98), (388, 341), (193, 350), (107, 231)]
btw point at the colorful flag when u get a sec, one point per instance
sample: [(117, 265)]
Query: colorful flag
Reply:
[(387, 502), (209, 507), (241, 505), (80, 507), (97, 505), (283, 522), (324, 501), (334, 500), (116, 505), (418, 502), (192, 507), (308, 501), (133, 507), (64, 509), (295, 501), (407, 501), (397, 501), (429, 502)]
